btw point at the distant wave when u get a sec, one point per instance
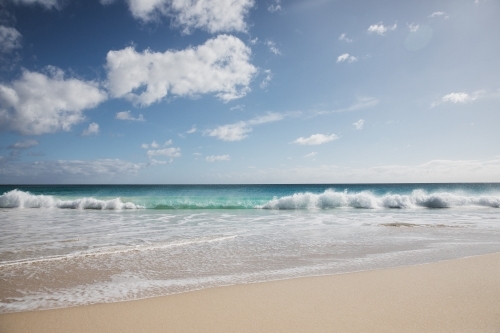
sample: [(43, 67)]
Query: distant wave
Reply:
[(418, 198), (21, 199), (303, 200)]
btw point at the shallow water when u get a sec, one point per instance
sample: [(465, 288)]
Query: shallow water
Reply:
[(52, 257)]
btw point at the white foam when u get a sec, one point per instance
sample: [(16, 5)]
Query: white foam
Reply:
[(365, 199), (21, 199)]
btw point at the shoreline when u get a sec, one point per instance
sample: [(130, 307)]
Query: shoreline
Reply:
[(458, 295)]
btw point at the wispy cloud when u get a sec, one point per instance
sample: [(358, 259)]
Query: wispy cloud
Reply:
[(312, 154), (272, 47), (192, 130), (343, 37), (459, 98), (346, 57), (24, 144), (439, 14), (413, 27), (127, 115), (359, 124), (215, 158), (275, 6), (316, 139), (360, 104), (267, 79), (381, 29), (239, 131)]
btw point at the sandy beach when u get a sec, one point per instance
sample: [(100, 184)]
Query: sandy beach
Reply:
[(461, 295)]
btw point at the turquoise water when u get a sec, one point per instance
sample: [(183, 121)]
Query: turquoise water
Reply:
[(255, 196), (71, 245)]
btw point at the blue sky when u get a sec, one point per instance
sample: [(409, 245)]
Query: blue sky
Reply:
[(242, 91)]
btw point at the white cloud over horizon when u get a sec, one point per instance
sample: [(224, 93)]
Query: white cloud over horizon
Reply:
[(316, 139), (220, 65), (434, 171), (72, 170), (238, 131), (38, 103)]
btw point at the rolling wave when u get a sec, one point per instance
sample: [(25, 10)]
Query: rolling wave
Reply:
[(21, 199), (329, 199), (418, 198)]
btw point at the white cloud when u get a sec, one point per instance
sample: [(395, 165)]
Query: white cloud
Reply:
[(24, 144), (154, 144), (267, 79), (275, 6), (37, 103), (272, 47), (343, 37), (459, 98), (316, 139), (381, 29), (68, 170), (435, 171), (346, 57), (46, 3), (168, 143), (145, 146), (10, 39), (219, 66), (192, 130), (359, 124), (210, 15), (197, 154), (413, 27), (93, 129), (238, 131), (127, 115), (312, 154), (167, 152), (361, 103), (215, 158), (439, 14)]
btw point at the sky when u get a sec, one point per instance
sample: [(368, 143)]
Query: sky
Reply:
[(249, 91)]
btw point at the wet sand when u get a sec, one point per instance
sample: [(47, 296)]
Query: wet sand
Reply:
[(461, 295)]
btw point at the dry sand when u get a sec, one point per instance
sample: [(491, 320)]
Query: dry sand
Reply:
[(460, 295)]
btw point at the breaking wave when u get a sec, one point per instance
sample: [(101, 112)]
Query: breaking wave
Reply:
[(329, 199), (21, 199), (418, 198)]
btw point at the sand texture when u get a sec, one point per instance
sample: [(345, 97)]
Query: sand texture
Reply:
[(460, 295)]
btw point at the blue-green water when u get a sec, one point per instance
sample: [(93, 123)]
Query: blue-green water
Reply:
[(254, 196), (69, 245)]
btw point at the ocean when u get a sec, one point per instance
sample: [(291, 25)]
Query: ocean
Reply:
[(69, 245)]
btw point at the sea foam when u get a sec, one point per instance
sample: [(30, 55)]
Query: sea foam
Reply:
[(21, 199), (366, 199)]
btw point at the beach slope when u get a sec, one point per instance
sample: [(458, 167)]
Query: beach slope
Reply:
[(461, 295)]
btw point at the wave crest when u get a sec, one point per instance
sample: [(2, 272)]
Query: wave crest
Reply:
[(21, 199), (367, 200)]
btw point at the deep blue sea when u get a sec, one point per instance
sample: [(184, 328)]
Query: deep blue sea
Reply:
[(67, 245)]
